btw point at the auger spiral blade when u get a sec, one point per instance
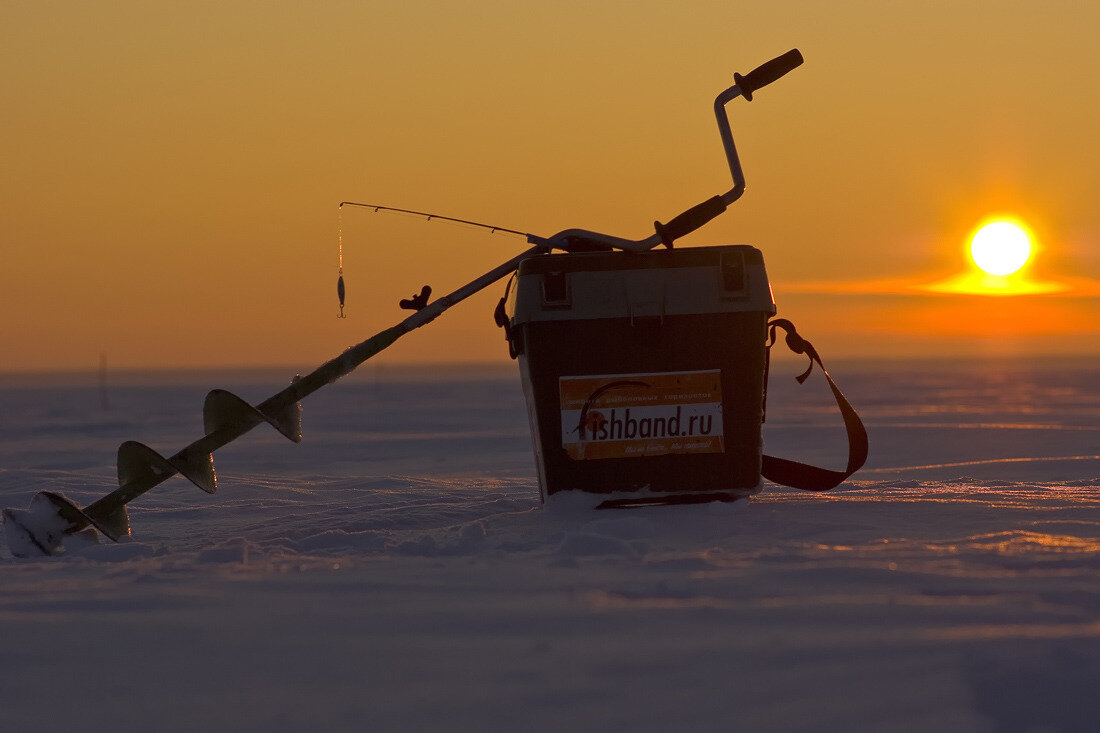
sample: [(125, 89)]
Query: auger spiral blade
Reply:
[(41, 529), (224, 409), (138, 462)]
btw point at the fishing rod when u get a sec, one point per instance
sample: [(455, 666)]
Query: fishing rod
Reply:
[(583, 240), (492, 228), (41, 529), (419, 301)]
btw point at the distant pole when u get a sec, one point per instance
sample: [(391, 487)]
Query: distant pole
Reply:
[(104, 398)]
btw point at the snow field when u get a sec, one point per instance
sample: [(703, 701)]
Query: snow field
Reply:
[(396, 572)]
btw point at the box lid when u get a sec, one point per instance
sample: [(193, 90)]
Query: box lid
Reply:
[(682, 281)]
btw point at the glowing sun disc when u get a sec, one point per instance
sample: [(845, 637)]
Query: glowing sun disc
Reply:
[(1000, 248)]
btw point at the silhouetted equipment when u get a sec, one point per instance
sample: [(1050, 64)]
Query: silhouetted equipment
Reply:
[(582, 320), (645, 375), (417, 302), (437, 217), (644, 372), (767, 72), (104, 397)]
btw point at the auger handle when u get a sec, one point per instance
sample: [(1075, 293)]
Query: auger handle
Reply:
[(687, 222), (767, 72)]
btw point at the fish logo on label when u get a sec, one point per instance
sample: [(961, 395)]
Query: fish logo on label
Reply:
[(637, 415)]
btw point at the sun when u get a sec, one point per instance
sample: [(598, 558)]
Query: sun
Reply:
[(1000, 248)]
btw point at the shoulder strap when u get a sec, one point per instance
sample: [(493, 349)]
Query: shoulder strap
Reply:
[(802, 475)]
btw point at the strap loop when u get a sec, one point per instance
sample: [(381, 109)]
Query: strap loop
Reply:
[(500, 317), (802, 475), (795, 343)]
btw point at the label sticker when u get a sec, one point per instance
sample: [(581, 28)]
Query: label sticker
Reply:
[(635, 415)]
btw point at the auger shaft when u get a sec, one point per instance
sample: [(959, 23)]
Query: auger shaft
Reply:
[(302, 387)]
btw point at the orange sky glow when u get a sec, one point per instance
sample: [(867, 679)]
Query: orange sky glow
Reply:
[(171, 171)]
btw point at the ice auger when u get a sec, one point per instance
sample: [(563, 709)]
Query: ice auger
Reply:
[(41, 529)]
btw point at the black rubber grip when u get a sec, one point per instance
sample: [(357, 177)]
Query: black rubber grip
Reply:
[(690, 220), (768, 72)]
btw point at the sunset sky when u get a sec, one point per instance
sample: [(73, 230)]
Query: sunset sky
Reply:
[(171, 171)]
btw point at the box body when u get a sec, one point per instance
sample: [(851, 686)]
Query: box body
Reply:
[(644, 373)]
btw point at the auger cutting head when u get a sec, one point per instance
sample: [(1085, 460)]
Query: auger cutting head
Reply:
[(41, 529)]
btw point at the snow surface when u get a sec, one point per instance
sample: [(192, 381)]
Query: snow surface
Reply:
[(396, 572)]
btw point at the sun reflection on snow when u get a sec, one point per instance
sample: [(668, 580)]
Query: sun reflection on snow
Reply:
[(1022, 542), (1013, 542)]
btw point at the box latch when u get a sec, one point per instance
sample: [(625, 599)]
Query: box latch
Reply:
[(731, 273), (555, 290)]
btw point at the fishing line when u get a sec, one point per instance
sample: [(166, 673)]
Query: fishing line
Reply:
[(340, 258)]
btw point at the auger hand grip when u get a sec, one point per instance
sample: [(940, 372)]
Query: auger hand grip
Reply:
[(690, 220), (767, 72)]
